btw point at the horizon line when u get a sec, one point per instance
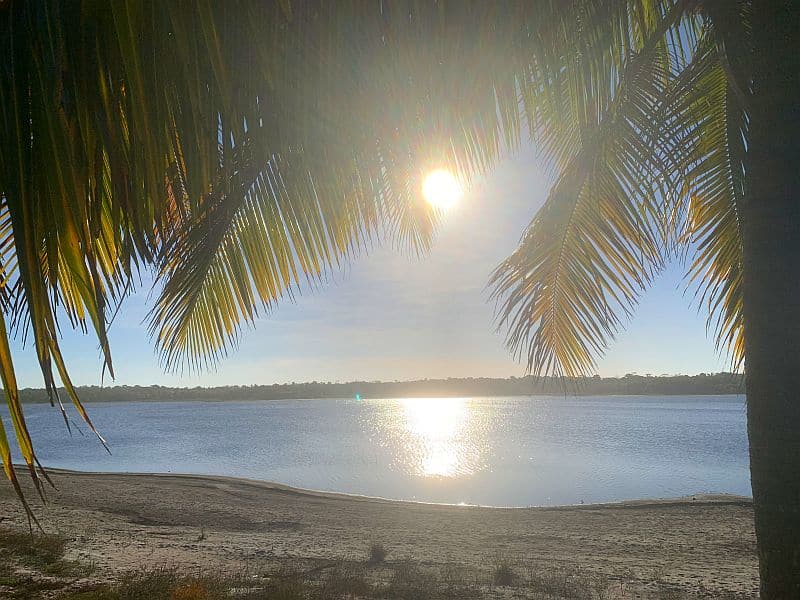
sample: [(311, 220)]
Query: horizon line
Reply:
[(408, 381)]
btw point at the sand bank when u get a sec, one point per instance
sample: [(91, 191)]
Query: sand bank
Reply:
[(128, 521)]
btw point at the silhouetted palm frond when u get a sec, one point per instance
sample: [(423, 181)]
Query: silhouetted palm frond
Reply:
[(715, 133), (240, 149), (604, 229)]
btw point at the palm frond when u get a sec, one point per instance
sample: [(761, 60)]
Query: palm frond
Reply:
[(250, 247), (266, 141), (598, 239), (241, 149), (714, 126), (296, 196)]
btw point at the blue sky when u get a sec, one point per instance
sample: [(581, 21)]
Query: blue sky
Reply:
[(387, 316)]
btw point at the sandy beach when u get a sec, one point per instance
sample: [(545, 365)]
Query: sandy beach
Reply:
[(121, 522)]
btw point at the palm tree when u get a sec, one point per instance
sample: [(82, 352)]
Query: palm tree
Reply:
[(239, 148)]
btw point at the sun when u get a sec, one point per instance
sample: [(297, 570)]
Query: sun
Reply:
[(441, 189)]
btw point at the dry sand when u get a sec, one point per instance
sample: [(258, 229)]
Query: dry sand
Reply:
[(128, 521)]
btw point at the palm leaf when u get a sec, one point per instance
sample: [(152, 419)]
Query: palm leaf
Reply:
[(292, 134), (243, 149), (598, 240), (296, 197), (251, 247), (714, 126)]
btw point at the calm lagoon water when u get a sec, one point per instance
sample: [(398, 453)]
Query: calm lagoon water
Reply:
[(490, 451)]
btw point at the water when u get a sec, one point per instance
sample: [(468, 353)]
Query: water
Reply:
[(489, 451)]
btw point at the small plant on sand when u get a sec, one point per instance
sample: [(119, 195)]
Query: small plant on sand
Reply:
[(193, 590), (573, 583), (603, 589), (345, 580), (503, 573), (286, 589), (33, 549), (160, 583), (410, 581), (37, 552), (456, 584), (377, 553), (97, 592)]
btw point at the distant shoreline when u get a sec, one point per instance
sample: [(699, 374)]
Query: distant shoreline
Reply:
[(717, 384), (430, 397), (211, 400)]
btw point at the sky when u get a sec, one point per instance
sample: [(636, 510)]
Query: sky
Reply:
[(388, 316)]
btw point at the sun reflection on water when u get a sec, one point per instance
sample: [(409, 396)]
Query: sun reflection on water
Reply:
[(437, 435)]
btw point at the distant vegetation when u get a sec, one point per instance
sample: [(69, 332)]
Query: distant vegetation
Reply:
[(631, 384)]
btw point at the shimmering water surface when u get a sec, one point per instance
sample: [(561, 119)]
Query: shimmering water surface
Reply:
[(491, 451)]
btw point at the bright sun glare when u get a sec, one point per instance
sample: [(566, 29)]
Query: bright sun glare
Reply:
[(441, 189), (436, 435)]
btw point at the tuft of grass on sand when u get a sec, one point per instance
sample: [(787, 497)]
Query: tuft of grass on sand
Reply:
[(567, 583), (28, 588), (503, 573), (161, 583), (409, 580), (32, 562), (456, 584), (377, 553), (34, 549), (345, 580)]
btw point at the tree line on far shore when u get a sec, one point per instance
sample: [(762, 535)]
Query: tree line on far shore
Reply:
[(631, 384)]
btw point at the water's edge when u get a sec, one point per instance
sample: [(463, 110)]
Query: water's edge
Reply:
[(696, 499)]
